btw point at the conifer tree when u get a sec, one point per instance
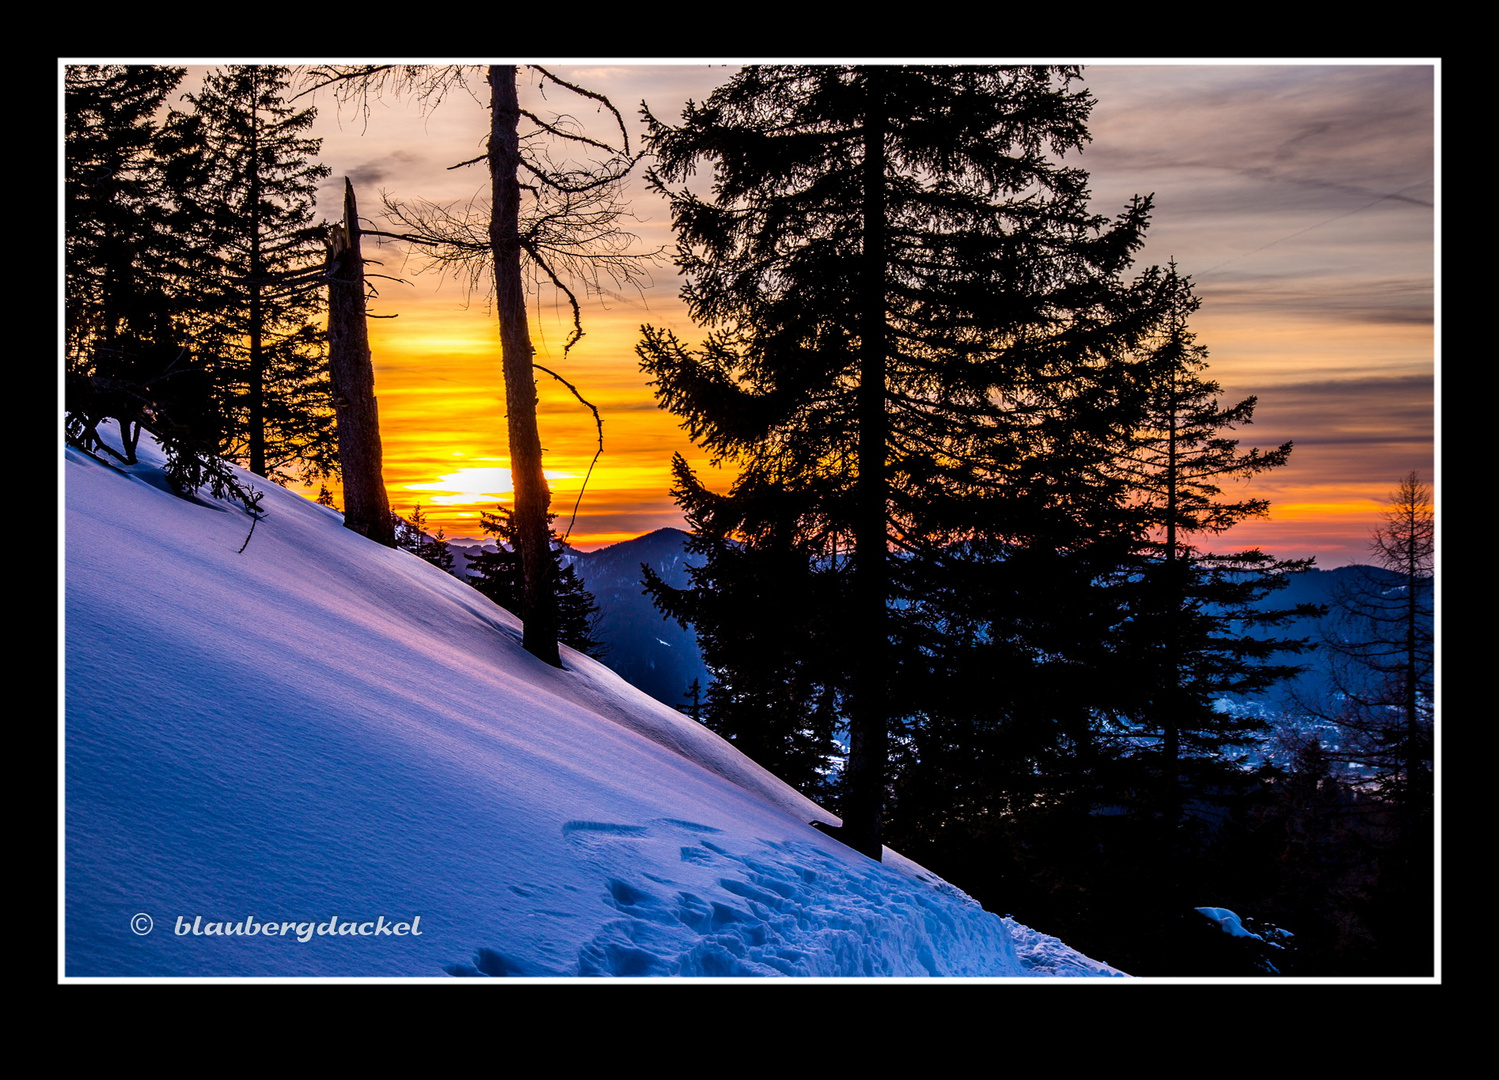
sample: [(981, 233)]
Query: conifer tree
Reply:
[(262, 279), (411, 535), (1197, 628), (131, 165), (127, 168), (119, 239), (764, 610), (1380, 643), (899, 278), (692, 700), (499, 575)]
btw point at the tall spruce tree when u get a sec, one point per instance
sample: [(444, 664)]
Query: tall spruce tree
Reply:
[(899, 276), (1198, 628), (128, 162), (1380, 641), (131, 165), (120, 240), (261, 284)]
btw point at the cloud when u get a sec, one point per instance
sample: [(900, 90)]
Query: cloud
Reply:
[(1250, 117), (1368, 425), (377, 170), (1405, 301)]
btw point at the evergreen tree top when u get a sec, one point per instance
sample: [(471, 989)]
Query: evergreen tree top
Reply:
[(1182, 449), (990, 251), (999, 296), (974, 194), (264, 164)]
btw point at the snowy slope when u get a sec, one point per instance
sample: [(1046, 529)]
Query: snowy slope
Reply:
[(322, 757)]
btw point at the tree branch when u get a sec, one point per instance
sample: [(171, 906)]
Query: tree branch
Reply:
[(598, 422), (582, 92)]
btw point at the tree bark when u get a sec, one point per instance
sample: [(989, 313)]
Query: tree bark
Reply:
[(1173, 706), (864, 793), (352, 376), (532, 497), (256, 420)]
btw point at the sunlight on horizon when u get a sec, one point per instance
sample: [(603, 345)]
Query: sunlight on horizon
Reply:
[(467, 487)]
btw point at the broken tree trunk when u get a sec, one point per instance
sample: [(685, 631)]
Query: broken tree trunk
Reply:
[(352, 373)]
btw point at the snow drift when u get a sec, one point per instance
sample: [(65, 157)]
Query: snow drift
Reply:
[(321, 757)]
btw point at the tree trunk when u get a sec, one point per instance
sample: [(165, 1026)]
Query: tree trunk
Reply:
[(1410, 697), (532, 497), (864, 792), (352, 375), (257, 346), (1176, 602)]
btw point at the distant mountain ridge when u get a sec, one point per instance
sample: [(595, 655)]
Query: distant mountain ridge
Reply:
[(646, 649), (656, 655), (1320, 587)]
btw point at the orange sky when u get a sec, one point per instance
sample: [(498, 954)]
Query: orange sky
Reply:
[(1300, 199), (437, 364)]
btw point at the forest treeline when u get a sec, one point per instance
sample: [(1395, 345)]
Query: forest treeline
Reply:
[(194, 285), (965, 588)]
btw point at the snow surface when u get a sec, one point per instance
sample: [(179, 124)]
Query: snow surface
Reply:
[(1228, 922), (322, 757)]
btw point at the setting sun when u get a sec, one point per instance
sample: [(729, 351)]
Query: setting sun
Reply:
[(475, 486)]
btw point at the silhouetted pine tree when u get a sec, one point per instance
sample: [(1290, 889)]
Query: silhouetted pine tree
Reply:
[(411, 535), (260, 284), (1198, 630), (1380, 640), (128, 162), (124, 169), (693, 699), (498, 575), (131, 166), (900, 282)]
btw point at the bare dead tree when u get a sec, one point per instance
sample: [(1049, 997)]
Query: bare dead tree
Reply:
[(1380, 649), (570, 238), (352, 373), (546, 221)]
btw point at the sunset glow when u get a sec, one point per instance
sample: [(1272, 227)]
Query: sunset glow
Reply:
[(1301, 200)]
